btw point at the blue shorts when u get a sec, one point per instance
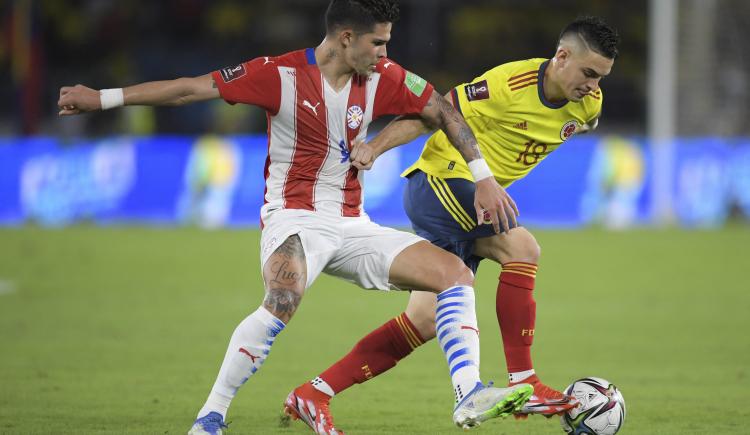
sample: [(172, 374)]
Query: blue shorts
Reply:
[(442, 211)]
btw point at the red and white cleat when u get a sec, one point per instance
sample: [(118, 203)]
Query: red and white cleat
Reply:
[(311, 406), (545, 400)]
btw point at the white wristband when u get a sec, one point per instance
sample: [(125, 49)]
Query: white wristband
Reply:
[(479, 169), (111, 98)]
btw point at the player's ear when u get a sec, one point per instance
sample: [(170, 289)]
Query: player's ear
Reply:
[(346, 37), (562, 55)]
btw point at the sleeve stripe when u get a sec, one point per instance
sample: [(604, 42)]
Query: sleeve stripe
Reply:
[(512, 83), (523, 75), (524, 85)]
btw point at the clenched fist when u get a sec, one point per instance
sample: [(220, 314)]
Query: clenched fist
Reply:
[(78, 99), (363, 155)]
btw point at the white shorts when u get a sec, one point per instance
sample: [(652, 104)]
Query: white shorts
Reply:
[(352, 248)]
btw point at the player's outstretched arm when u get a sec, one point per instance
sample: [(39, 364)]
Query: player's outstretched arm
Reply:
[(491, 201), (402, 130), (78, 99)]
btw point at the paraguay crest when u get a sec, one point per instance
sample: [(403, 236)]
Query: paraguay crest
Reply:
[(354, 116), (568, 129)]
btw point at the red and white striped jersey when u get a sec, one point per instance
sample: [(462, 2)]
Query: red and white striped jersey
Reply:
[(311, 127)]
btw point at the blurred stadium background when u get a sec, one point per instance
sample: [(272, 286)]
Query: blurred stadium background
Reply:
[(658, 196), (672, 145)]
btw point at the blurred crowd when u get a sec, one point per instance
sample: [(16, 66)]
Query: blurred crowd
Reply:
[(45, 44)]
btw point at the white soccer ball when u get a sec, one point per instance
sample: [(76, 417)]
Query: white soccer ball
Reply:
[(601, 410)]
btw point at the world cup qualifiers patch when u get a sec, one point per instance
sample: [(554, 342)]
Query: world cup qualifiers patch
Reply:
[(415, 83), (477, 91), (231, 73)]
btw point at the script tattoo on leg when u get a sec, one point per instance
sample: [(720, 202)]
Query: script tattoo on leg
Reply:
[(285, 279)]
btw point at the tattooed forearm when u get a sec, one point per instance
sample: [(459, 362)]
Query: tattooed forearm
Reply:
[(458, 132), (282, 303)]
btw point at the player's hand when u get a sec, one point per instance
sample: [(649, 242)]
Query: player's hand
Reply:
[(494, 205), (78, 99), (363, 155)]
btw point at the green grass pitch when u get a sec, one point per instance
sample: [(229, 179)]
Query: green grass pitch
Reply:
[(122, 330)]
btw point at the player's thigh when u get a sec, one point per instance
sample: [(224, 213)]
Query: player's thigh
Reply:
[(367, 253), (285, 275), (318, 239), (518, 244), (440, 210), (443, 207), (425, 267)]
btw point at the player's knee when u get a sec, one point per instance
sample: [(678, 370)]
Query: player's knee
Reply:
[(526, 249), (454, 272), (282, 302)]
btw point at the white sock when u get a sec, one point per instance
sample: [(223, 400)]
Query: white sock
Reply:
[(319, 384), (458, 336), (248, 348), (517, 377)]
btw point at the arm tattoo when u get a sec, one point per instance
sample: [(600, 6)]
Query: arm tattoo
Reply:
[(458, 132), (213, 83)]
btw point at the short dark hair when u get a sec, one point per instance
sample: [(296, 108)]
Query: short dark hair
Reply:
[(598, 35), (361, 15)]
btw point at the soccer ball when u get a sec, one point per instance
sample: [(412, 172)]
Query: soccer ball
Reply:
[(601, 410)]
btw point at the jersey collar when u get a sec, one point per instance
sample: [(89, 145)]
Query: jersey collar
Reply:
[(540, 89)]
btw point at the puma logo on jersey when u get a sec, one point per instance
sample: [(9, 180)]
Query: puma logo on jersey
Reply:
[(267, 61), (311, 107), (387, 64)]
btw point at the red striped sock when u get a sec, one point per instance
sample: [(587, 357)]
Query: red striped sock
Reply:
[(374, 354), (516, 313)]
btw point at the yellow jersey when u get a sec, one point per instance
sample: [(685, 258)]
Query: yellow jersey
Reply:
[(515, 125)]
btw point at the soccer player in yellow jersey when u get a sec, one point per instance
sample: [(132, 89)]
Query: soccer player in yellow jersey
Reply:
[(520, 112)]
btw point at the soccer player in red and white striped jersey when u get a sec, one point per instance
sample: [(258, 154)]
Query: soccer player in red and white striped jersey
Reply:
[(319, 102), (312, 123)]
